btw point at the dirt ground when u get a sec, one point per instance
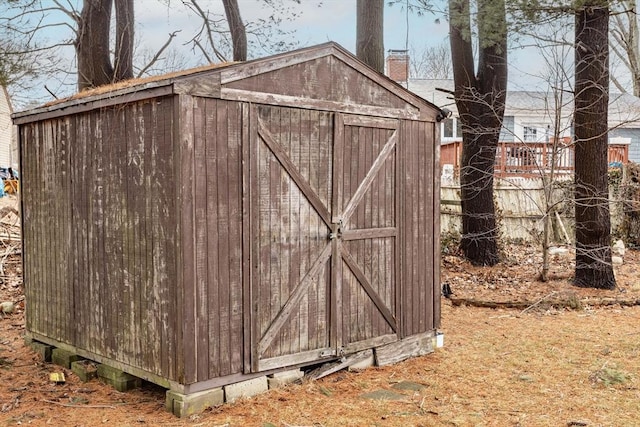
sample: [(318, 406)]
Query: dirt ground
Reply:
[(560, 358)]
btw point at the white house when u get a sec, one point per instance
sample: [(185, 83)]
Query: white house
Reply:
[(8, 148), (530, 116)]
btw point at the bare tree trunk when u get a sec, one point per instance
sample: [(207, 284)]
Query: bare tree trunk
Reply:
[(123, 61), (370, 34), (480, 100), (92, 45), (593, 225), (237, 28)]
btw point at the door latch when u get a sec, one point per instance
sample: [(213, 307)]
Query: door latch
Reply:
[(337, 232)]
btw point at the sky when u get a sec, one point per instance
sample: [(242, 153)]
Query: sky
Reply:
[(333, 20), (317, 21)]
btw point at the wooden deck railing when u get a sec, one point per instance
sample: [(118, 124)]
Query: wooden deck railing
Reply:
[(531, 159)]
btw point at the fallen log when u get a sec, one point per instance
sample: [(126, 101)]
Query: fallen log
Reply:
[(572, 303)]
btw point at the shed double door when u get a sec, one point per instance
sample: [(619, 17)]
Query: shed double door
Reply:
[(324, 227)]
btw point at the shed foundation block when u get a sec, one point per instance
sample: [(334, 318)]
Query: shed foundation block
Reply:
[(120, 380), (43, 350), (85, 370), (63, 358), (245, 388), (282, 378), (368, 362), (184, 405)]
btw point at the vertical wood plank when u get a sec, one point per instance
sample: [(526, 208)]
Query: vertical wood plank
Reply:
[(200, 172), (142, 223), (234, 197), (80, 196), (430, 130), (101, 297), (425, 218), (247, 197), (399, 242), (223, 239), (256, 270), (187, 237), (415, 239), (167, 251), (213, 202), (66, 262), (41, 261)]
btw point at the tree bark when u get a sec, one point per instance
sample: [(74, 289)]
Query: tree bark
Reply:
[(237, 29), (480, 101), (593, 225), (370, 33), (123, 60), (92, 45)]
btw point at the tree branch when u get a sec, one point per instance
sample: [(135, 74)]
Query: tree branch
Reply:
[(157, 55)]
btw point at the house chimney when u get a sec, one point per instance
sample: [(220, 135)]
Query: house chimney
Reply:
[(398, 65)]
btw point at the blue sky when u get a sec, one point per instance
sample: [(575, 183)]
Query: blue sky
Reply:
[(335, 20)]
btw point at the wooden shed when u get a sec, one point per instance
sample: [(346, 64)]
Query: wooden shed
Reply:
[(208, 227)]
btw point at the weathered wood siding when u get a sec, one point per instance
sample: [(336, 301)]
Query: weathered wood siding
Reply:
[(292, 148), (308, 80), (211, 237), (336, 255), (368, 261), (99, 233), (420, 261), (232, 221)]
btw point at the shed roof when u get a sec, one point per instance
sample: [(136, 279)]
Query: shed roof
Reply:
[(321, 82)]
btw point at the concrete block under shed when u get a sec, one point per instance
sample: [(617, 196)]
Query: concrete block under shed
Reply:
[(120, 380), (43, 350), (247, 388), (280, 379), (184, 405), (64, 358), (86, 370), (368, 361)]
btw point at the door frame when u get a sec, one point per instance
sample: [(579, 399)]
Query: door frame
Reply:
[(334, 216)]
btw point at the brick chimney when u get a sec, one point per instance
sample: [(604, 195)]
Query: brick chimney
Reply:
[(398, 65)]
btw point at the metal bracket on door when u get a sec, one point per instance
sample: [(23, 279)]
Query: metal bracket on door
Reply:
[(336, 232)]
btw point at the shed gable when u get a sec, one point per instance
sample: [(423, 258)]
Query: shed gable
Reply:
[(322, 78), (326, 78)]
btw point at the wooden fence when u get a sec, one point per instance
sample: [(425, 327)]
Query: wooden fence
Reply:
[(521, 208), (529, 159), (519, 202)]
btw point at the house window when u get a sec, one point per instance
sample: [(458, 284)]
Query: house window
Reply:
[(447, 128), (452, 128), (530, 134)]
